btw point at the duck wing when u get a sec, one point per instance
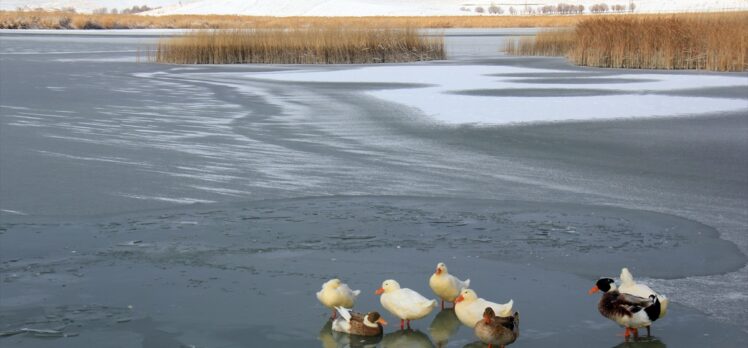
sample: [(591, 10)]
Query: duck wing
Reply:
[(632, 303), (410, 301), (347, 291), (460, 284)]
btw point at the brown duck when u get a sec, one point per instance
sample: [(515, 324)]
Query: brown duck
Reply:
[(497, 330), (631, 312), (354, 323)]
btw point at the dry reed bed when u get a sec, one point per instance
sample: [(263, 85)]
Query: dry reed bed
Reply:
[(299, 46), (717, 42), (66, 20)]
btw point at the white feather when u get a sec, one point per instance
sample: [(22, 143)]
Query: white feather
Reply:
[(344, 313)]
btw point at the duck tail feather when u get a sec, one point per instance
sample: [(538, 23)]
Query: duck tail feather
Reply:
[(663, 304), (507, 310), (626, 277)]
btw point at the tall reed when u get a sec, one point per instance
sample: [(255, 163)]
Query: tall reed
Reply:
[(299, 46), (555, 42), (705, 42)]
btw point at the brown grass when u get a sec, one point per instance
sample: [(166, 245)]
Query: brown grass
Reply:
[(716, 42), (299, 46), (53, 20)]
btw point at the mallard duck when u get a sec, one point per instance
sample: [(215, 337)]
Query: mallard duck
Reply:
[(469, 308), (405, 304), (445, 285), (497, 330), (357, 323), (335, 293), (631, 287), (627, 310)]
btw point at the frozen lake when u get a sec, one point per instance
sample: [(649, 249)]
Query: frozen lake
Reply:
[(248, 186)]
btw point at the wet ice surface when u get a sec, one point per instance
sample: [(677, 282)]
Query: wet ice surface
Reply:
[(87, 136), (246, 274)]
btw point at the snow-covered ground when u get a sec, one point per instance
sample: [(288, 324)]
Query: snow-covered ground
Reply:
[(364, 7)]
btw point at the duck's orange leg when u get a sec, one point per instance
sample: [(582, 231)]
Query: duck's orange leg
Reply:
[(627, 333), (635, 332), (408, 324), (402, 324)]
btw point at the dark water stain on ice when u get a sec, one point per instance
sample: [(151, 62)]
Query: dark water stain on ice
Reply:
[(583, 80), (245, 274), (539, 92)]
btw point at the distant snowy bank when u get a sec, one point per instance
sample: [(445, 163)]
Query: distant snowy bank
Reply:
[(382, 7)]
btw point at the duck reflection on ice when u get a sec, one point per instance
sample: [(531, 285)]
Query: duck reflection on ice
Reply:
[(333, 339), (444, 326), (406, 339), (643, 342), (476, 344)]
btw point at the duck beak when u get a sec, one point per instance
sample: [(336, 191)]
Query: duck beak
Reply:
[(379, 291), (593, 290), (438, 271), (459, 299), (382, 321)]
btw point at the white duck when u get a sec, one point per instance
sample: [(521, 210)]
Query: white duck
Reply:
[(470, 308), (631, 287), (445, 285), (405, 304), (335, 293)]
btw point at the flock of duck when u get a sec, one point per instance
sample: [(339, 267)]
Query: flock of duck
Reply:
[(632, 305)]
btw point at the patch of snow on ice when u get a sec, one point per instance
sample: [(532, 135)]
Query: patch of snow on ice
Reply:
[(441, 104)]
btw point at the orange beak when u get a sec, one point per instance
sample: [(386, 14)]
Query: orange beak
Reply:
[(593, 290), (438, 271), (379, 291), (382, 321), (459, 299)]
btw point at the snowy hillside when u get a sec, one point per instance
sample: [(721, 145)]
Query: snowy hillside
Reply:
[(365, 7), (86, 5)]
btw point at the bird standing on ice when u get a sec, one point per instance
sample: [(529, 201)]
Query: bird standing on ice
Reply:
[(631, 287), (629, 311), (497, 330), (357, 323), (405, 304), (469, 308), (445, 285), (335, 293)]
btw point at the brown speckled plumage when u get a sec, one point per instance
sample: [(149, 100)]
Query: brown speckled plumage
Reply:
[(499, 331), (358, 327)]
